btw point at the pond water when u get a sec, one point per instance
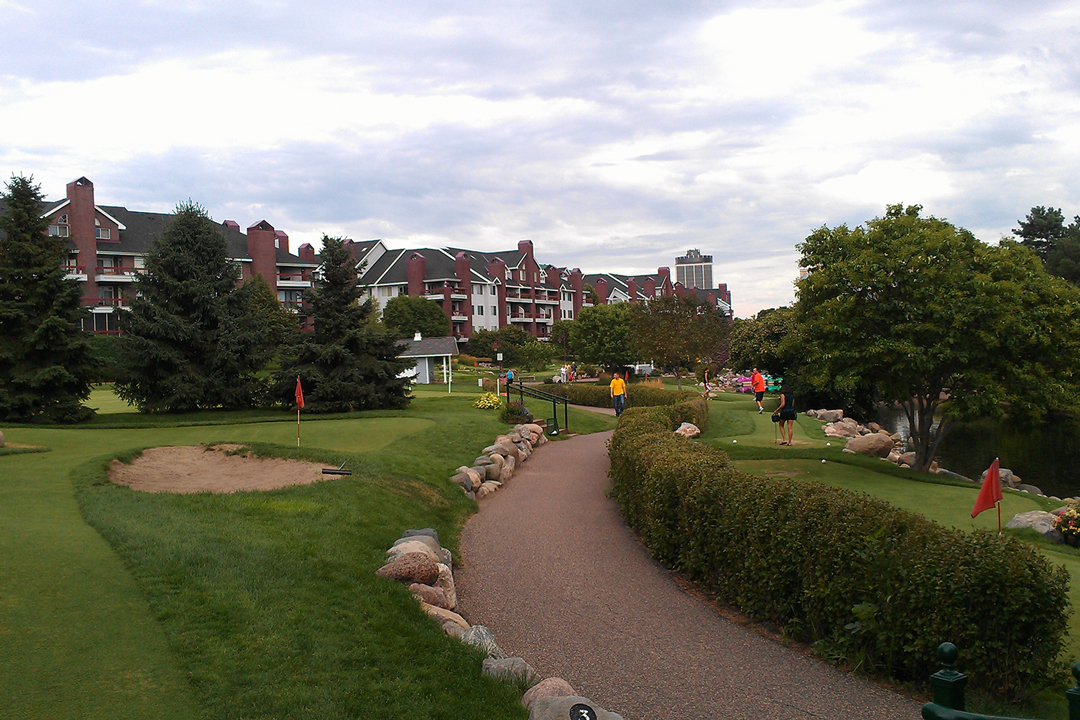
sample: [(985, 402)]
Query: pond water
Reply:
[(1045, 455)]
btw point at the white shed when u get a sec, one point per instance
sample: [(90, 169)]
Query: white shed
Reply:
[(432, 356)]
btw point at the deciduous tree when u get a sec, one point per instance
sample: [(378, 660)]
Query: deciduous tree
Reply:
[(406, 315), (677, 332), (601, 336), (348, 362), (45, 361), (937, 321)]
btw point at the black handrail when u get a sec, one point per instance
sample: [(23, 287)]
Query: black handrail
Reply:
[(523, 390)]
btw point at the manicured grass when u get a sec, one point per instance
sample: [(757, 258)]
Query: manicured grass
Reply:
[(244, 605)]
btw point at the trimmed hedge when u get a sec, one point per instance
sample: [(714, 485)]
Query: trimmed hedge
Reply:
[(864, 581), (595, 395)]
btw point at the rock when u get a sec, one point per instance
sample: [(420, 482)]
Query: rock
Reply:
[(894, 457), (872, 444), (471, 495), (505, 473), (1023, 487), (431, 595), (954, 476), (548, 687), (443, 615), (568, 706), (830, 415), (688, 430), (482, 492), (464, 480), (477, 476), (489, 450), (1, 438), (412, 546), (411, 567), (1039, 521), (534, 428), (493, 472), (897, 437), (875, 428), (511, 462), (1008, 478), (907, 458), (428, 540), (446, 558), (491, 486), (452, 629), (445, 582), (482, 460), (479, 636), (510, 669), (848, 450), (933, 467), (497, 459)]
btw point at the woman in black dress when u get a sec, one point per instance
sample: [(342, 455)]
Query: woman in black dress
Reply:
[(787, 414)]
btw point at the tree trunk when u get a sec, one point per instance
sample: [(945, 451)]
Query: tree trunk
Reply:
[(920, 414)]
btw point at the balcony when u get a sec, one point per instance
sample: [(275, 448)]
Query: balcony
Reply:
[(106, 302), (117, 274), (295, 305), (293, 280), (74, 272)]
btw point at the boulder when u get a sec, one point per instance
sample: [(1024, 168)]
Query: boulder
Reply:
[(446, 558), (477, 476), (471, 495), (511, 462), (874, 427), (534, 428), (479, 636), (431, 595), (907, 458), (510, 669), (445, 582), (482, 492), (1039, 521), (452, 629), (569, 706), (497, 459), (493, 471), (443, 615), (688, 430), (872, 444), (894, 457), (505, 473), (411, 567), (412, 546), (897, 437), (548, 687), (464, 480), (837, 430), (482, 460), (491, 486), (830, 415), (1024, 487), (429, 540)]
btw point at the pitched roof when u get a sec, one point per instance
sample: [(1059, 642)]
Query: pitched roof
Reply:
[(428, 347)]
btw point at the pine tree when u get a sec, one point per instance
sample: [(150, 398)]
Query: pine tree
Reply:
[(348, 363), (191, 340), (45, 360)]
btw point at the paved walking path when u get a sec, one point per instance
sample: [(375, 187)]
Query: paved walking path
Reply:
[(552, 570)]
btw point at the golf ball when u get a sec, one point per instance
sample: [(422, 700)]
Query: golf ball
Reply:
[(822, 461), (734, 441), (828, 444)]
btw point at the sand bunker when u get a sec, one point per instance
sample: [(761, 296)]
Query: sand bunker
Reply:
[(211, 469)]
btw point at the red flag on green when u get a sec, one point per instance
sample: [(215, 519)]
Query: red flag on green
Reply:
[(299, 393), (990, 494)]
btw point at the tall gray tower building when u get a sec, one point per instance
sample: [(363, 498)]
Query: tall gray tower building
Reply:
[(694, 270)]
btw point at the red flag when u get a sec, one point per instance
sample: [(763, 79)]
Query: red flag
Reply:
[(299, 393), (991, 490)]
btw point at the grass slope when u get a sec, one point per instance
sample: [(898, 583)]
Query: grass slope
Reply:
[(246, 605)]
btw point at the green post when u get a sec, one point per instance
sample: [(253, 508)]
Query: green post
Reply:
[(949, 684), (1073, 694)]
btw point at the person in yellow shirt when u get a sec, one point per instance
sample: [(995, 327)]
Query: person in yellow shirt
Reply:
[(618, 394)]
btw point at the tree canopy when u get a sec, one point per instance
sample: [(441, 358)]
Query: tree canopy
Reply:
[(1058, 245), (406, 315), (348, 362), (765, 341), (193, 339), (46, 364), (936, 320), (601, 336), (677, 332)]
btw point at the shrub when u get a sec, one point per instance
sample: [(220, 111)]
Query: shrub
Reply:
[(596, 395), (586, 370), (864, 581), (466, 360), (488, 401), (490, 385), (515, 413)]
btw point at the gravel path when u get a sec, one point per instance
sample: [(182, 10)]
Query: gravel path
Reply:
[(552, 570)]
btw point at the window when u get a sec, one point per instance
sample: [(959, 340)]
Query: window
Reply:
[(102, 233), (494, 311), (59, 231), (386, 292), (140, 261), (477, 309)]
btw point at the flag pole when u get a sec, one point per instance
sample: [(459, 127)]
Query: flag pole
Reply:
[(298, 427), (998, 503)]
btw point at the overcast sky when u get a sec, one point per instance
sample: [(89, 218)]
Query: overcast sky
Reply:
[(615, 135)]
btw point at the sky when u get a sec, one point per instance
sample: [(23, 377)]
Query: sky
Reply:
[(614, 135)]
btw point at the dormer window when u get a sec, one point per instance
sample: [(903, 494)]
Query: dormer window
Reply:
[(103, 233), (60, 229)]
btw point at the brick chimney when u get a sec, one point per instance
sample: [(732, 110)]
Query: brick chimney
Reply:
[(554, 276), (601, 288), (232, 225), (463, 271), (680, 291), (282, 240), (631, 289), (260, 245), (577, 281), (416, 270), (665, 284), (306, 252), (497, 270), (80, 212), (650, 287)]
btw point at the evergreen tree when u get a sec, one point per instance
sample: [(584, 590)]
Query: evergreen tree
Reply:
[(192, 340), (45, 360), (348, 363)]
